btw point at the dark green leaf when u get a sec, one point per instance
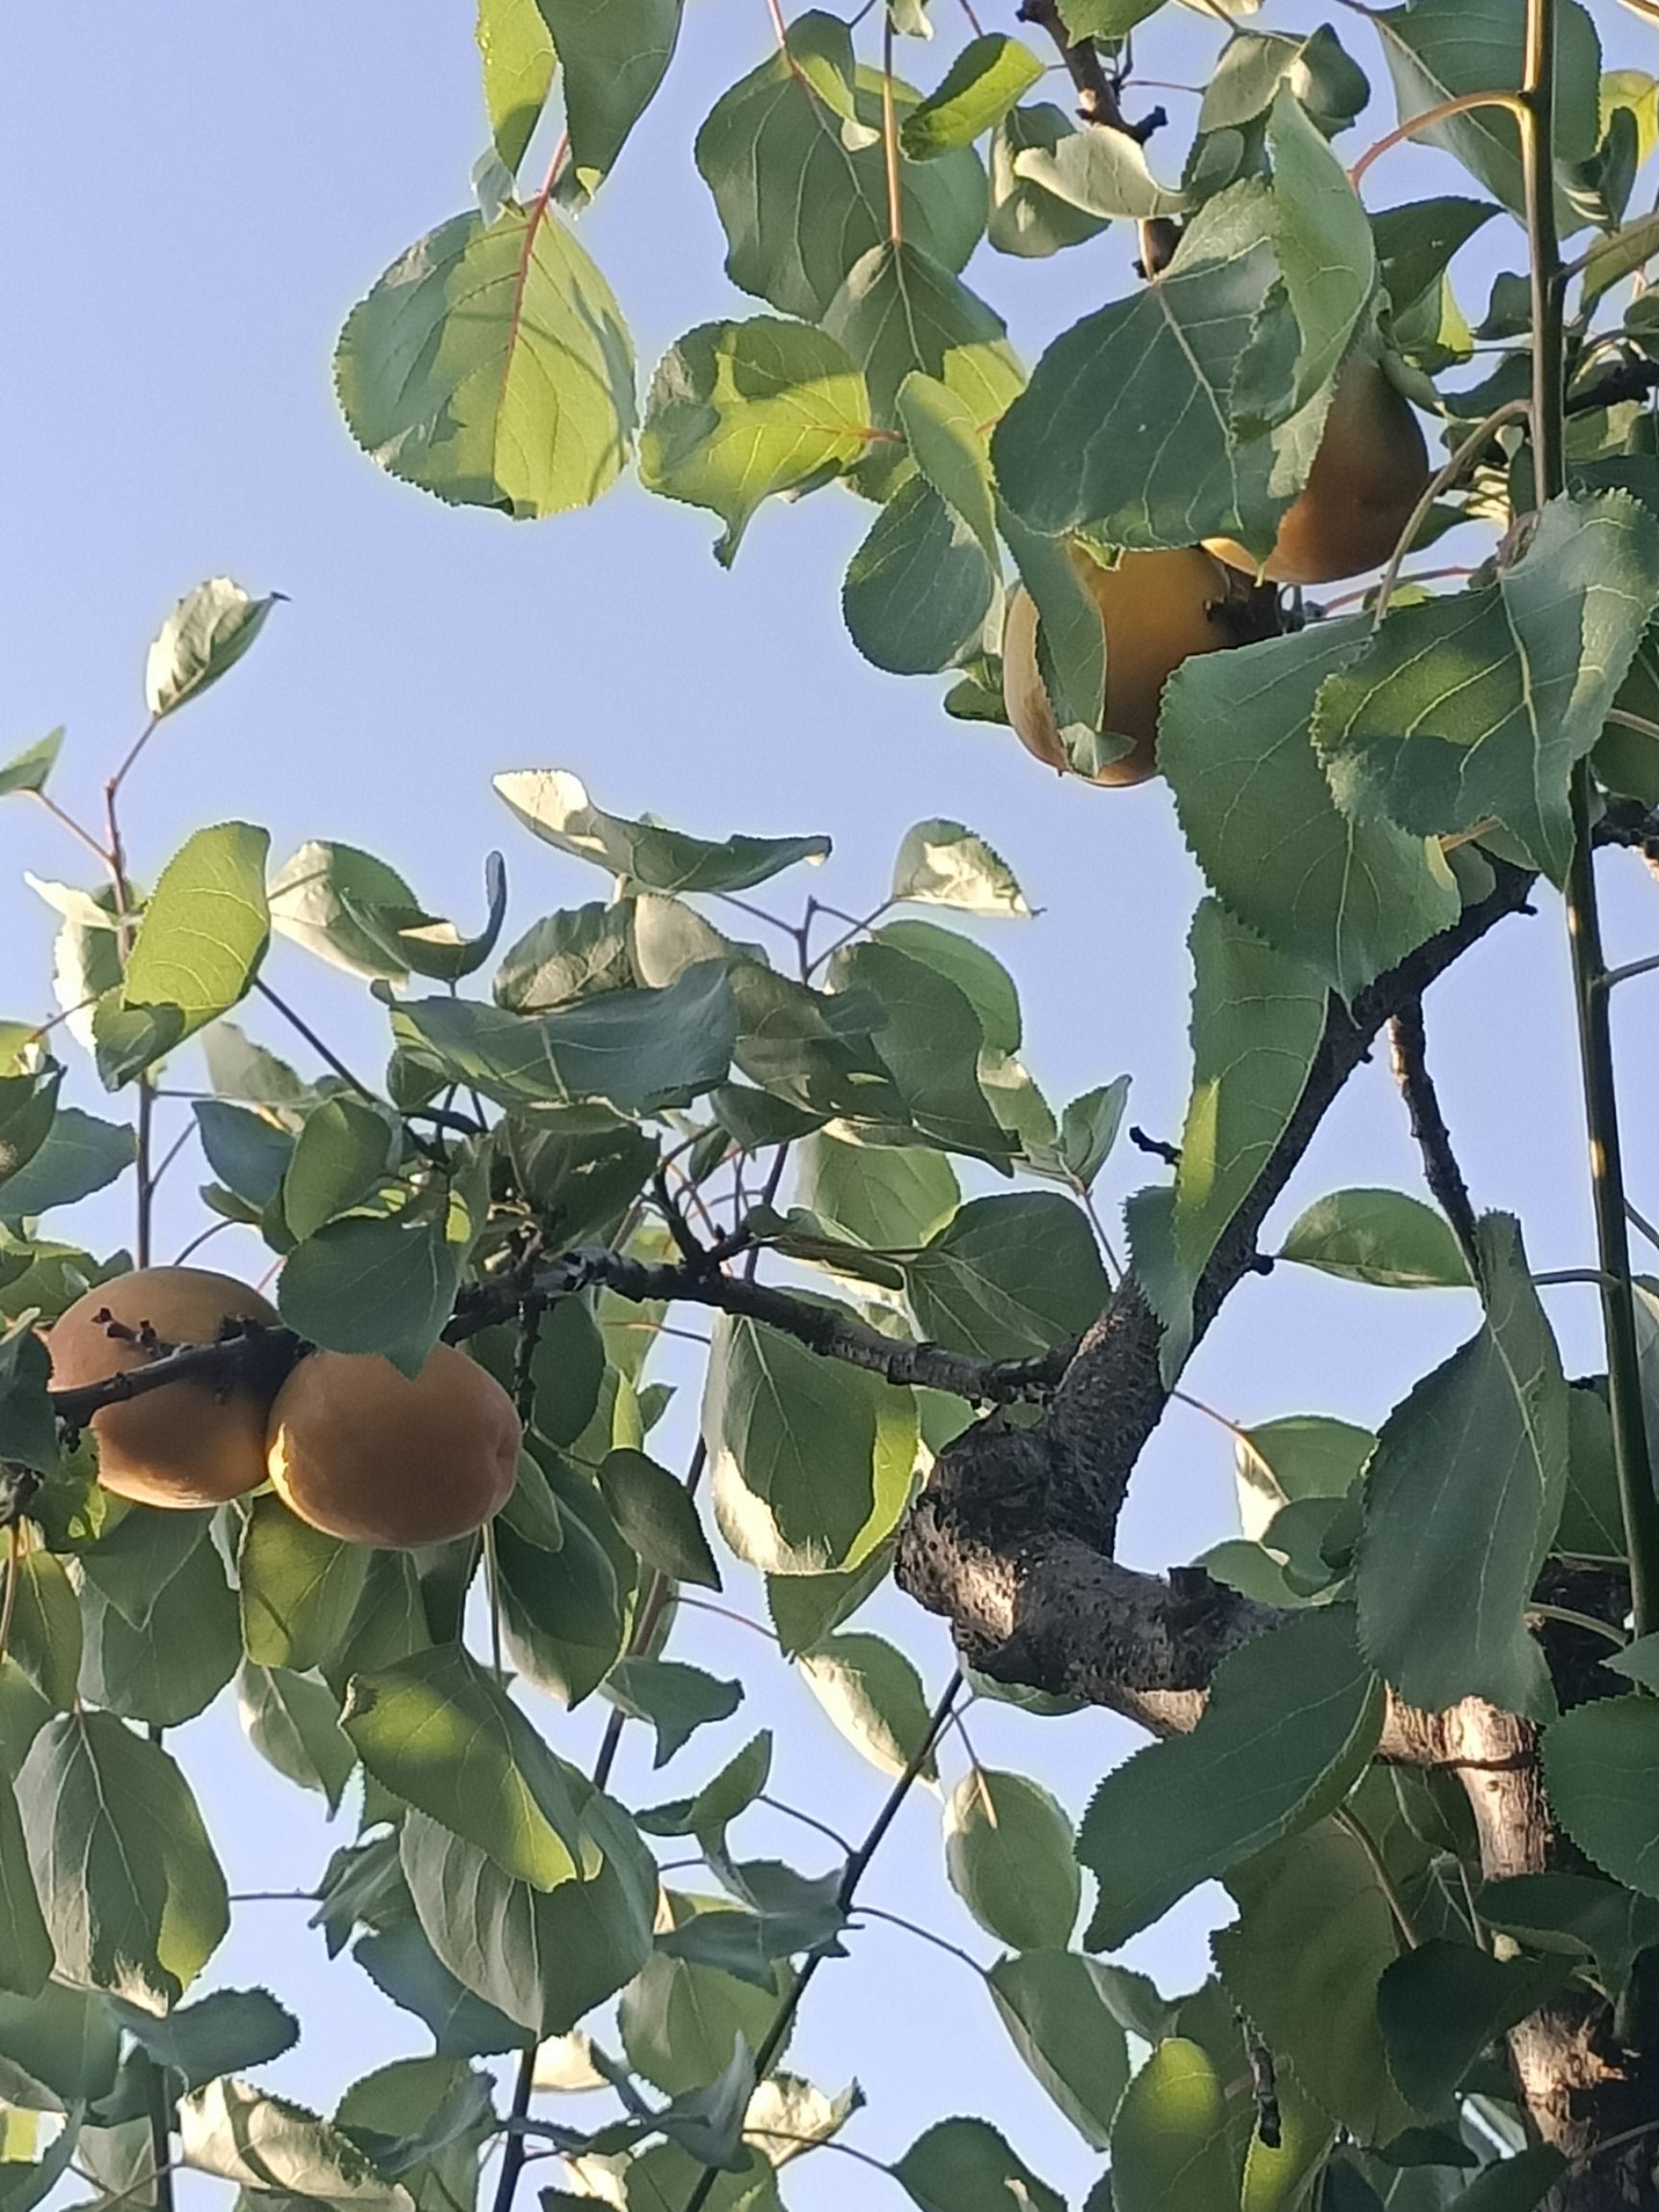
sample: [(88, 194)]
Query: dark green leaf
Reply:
[(491, 366), (1443, 2003), (1462, 1496), (1055, 2006), (805, 1608), (1600, 1766), (345, 1151), (78, 1155), (1477, 706), (563, 1612), (656, 1518), (1008, 1278), (298, 1587), (26, 1949), (1297, 1709), (676, 1698), (223, 2033), (381, 1284), (1025, 219), (613, 58), (931, 1037), (45, 1638), (29, 770), (901, 310), (570, 955), (919, 588), (131, 1892), (965, 2166), (1609, 1922), (249, 1152), (718, 1803), (170, 1666), (293, 1720)]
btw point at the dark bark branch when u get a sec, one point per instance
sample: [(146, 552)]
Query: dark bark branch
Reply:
[(1440, 1169)]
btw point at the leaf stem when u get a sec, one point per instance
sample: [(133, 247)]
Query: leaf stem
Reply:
[(858, 1866), (1638, 1502), (1444, 477), (1441, 111), (890, 135)]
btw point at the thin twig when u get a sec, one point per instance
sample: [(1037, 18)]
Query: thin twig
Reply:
[(1441, 112), (1442, 480), (1440, 1169)]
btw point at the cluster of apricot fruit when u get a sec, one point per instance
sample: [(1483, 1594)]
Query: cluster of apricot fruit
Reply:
[(1158, 608), (348, 1442)]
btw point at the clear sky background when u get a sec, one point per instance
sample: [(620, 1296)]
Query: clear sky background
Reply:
[(191, 197)]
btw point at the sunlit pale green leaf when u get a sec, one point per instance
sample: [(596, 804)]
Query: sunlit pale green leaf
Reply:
[(491, 366), (1025, 219), (874, 1694), (205, 635), (943, 864), (1296, 1709), (29, 770), (264, 2144), (1169, 2146), (1302, 1455), (976, 92), (516, 55), (739, 411), (1477, 704), (1382, 1237), (1102, 173), (312, 900), (554, 805), (196, 953), (1462, 1496)]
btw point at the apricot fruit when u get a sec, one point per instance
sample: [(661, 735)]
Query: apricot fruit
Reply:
[(189, 1443), (1156, 610), (1371, 469), (365, 1454)]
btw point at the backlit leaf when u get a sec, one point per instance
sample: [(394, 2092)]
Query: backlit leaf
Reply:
[(554, 805), (614, 55), (1380, 1236), (874, 1694), (205, 635), (1169, 2146), (1009, 1853), (976, 92), (965, 2166)]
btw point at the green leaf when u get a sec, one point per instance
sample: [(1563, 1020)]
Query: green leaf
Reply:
[(554, 805), (613, 58), (947, 442), (266, 2144), (29, 770), (1093, 441), (59, 2048), (1437, 49), (491, 366), (1009, 1851), (718, 1803), (1054, 2004), (1009, 1278), (1608, 1922), (518, 60), (874, 1696), (1416, 242), (975, 92), (45, 1637), (899, 311), (1380, 1236), (681, 2024), (1516, 2184), (1478, 704), (1170, 2146), (170, 1665), (1592, 1522), (131, 1890), (28, 1106), (1026, 220), (316, 898), (1441, 2004), (1101, 172), (656, 1518), (792, 155), (1234, 741), (887, 1197), (571, 954), (929, 1036), (197, 950), (239, 1068), (943, 864), (431, 947), (1304, 1962), (564, 1613), (220, 2033), (1462, 1496), (293, 1721), (204, 637), (1254, 64), (345, 1148), (965, 2166), (78, 1156), (1258, 1016), (1599, 1764), (812, 1460), (739, 411), (1639, 1661), (438, 1731), (805, 1608), (677, 1699), (1301, 1455), (26, 1950), (1326, 250), (381, 1284), (1089, 1129), (543, 1957), (1296, 1709), (919, 588), (300, 1588), (1612, 259)]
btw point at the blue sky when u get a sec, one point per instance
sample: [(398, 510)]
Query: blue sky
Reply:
[(191, 197)]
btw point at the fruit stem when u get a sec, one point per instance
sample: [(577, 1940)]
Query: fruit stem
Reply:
[(1638, 1502)]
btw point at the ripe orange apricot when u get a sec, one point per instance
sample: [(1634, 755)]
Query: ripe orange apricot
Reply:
[(189, 1443), (1369, 473), (1155, 611), (365, 1454)]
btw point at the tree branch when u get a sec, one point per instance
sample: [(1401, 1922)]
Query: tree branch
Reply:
[(1440, 1169)]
